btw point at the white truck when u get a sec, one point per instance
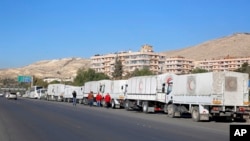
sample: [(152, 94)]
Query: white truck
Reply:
[(88, 87), (34, 92), (147, 93), (203, 95), (210, 95), (116, 89), (67, 97), (56, 92)]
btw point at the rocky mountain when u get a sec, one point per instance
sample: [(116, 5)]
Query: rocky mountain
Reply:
[(236, 45), (61, 68)]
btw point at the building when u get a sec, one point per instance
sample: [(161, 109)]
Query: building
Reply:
[(224, 64), (159, 63), (130, 61), (51, 79), (178, 65)]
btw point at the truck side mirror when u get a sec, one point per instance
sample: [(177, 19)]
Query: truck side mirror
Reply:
[(163, 88)]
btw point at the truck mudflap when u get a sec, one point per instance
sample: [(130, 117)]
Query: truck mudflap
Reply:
[(242, 115), (204, 117), (204, 113), (246, 117)]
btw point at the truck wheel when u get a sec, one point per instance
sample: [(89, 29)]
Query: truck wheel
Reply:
[(103, 103), (113, 104), (80, 101), (85, 101), (165, 108), (127, 105), (171, 110), (196, 114), (145, 107)]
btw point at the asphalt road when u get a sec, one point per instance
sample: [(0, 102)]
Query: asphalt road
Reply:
[(38, 120)]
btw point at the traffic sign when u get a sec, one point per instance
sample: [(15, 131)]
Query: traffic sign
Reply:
[(26, 79)]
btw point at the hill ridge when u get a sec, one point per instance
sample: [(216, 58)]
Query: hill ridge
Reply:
[(63, 68), (236, 45)]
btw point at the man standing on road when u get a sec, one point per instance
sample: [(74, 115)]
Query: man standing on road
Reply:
[(91, 98), (98, 99), (107, 100), (74, 98)]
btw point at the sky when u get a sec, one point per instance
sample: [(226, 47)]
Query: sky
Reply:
[(36, 30)]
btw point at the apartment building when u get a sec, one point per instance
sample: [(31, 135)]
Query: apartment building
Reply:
[(159, 63), (178, 65), (227, 63), (130, 61)]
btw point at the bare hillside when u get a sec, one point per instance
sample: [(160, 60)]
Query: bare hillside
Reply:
[(63, 68), (236, 45)]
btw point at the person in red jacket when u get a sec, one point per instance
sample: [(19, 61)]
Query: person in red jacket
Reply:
[(98, 99), (107, 100)]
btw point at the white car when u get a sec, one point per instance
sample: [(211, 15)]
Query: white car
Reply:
[(11, 95), (1, 94)]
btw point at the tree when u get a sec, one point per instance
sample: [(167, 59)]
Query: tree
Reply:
[(39, 82), (8, 81), (140, 72), (55, 82), (199, 70), (89, 75), (79, 79), (118, 71), (245, 68), (100, 76), (68, 83)]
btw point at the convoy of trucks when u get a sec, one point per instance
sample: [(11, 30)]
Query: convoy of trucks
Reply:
[(203, 95)]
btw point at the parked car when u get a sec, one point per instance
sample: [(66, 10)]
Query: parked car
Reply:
[(11, 95), (1, 94)]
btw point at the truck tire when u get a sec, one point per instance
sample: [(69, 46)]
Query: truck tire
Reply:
[(103, 103), (113, 104), (165, 108), (171, 110), (145, 107), (196, 114), (80, 101), (127, 105), (85, 101)]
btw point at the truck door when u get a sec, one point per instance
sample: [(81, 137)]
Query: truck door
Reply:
[(168, 89)]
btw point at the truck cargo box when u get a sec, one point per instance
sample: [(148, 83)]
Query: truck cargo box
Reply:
[(91, 86), (142, 88), (214, 88)]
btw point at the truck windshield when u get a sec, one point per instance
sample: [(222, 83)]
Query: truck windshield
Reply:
[(169, 87)]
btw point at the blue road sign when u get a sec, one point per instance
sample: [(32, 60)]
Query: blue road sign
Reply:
[(26, 79)]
